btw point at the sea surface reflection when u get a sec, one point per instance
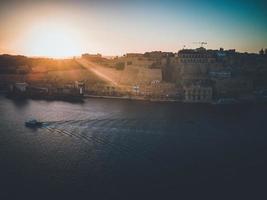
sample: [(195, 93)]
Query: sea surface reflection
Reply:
[(118, 149)]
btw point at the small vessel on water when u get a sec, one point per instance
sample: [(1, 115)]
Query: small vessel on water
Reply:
[(33, 123)]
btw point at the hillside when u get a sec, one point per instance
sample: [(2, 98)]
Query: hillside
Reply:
[(43, 71)]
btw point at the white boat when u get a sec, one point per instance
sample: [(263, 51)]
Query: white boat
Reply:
[(33, 123)]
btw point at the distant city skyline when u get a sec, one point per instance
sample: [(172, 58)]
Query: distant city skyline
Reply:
[(70, 28)]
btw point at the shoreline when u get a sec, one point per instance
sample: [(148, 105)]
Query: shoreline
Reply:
[(214, 102), (74, 98)]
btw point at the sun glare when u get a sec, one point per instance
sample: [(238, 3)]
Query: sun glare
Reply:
[(53, 40)]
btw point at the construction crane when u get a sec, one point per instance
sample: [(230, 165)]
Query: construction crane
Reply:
[(201, 43)]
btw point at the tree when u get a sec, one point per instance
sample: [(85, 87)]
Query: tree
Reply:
[(120, 66)]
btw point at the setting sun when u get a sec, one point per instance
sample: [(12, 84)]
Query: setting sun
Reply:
[(52, 40)]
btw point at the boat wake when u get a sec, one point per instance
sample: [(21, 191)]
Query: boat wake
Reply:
[(111, 133)]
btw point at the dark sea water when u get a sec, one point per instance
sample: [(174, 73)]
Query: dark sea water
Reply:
[(118, 149)]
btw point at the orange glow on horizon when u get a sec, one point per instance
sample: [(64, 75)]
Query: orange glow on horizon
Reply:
[(55, 40)]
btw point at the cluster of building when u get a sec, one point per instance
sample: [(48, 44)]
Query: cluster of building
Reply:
[(190, 75), (194, 75), (25, 90)]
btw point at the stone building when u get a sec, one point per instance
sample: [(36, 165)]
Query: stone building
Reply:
[(189, 64), (21, 87), (93, 57), (232, 87), (79, 86), (147, 60), (197, 93)]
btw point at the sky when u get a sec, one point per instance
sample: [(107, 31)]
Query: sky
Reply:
[(114, 27)]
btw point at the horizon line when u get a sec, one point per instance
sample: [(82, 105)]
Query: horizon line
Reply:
[(115, 55)]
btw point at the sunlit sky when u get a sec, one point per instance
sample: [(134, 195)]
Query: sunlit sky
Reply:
[(65, 28)]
